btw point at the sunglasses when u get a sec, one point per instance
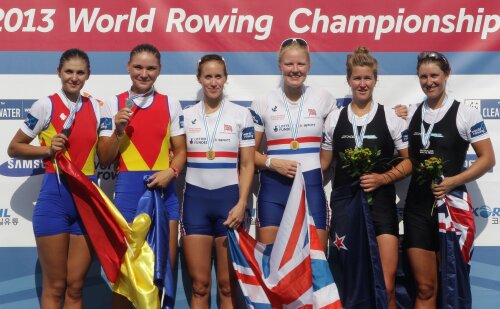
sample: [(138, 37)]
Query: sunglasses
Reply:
[(290, 41), (431, 55)]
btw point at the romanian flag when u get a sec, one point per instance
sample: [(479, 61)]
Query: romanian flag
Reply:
[(142, 273)]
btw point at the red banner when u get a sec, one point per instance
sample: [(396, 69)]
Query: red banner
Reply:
[(258, 25)]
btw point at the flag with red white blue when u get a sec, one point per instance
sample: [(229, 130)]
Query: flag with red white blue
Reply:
[(292, 273)]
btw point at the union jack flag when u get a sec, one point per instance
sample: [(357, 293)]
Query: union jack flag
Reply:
[(456, 236), (292, 273)]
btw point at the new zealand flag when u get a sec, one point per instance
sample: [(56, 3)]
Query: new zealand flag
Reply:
[(354, 255)]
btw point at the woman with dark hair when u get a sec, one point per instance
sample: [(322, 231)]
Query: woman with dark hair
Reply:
[(220, 168), (439, 127), (68, 122), (365, 123), (141, 129)]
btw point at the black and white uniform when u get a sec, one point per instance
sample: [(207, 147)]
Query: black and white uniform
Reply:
[(456, 126)]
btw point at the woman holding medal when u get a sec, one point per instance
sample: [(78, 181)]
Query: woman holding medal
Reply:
[(438, 127), (291, 118), (365, 123), (68, 122), (220, 168), (147, 126)]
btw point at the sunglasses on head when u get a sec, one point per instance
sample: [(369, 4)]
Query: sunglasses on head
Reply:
[(290, 41), (431, 55)]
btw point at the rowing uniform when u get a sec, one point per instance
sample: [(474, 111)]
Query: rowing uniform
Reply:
[(55, 210), (272, 115), (144, 148), (456, 125), (212, 180), (384, 132)]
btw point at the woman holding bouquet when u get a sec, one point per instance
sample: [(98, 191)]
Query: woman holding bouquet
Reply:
[(374, 130), (442, 128)]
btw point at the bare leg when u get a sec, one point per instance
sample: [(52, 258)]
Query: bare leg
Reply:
[(53, 257), (79, 260), (424, 266), (174, 230), (197, 252), (226, 280), (388, 248), (267, 235)]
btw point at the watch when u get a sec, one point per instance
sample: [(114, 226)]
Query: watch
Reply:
[(268, 163)]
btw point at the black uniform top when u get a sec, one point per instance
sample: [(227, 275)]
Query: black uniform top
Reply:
[(445, 143), (377, 137)]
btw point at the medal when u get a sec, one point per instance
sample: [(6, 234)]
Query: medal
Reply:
[(210, 155), (294, 145), (129, 103), (426, 135)]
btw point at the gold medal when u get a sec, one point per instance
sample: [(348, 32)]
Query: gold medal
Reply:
[(210, 154), (294, 145)]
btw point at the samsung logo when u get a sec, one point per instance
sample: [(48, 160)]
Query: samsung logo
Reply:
[(22, 168)]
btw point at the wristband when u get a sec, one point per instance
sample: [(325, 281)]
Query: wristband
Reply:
[(268, 163), (176, 171)]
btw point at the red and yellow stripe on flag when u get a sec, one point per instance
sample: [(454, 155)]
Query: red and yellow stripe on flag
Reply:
[(129, 271)]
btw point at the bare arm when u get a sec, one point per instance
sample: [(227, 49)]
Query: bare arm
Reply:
[(285, 167), (108, 147), (20, 147), (325, 158), (484, 162), (163, 178), (371, 182), (247, 167)]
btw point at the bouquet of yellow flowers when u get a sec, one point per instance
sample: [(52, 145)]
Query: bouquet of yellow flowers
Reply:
[(360, 161), (429, 171)]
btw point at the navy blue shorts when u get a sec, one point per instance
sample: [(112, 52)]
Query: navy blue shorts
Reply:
[(273, 195), (55, 211), (130, 187), (204, 211)]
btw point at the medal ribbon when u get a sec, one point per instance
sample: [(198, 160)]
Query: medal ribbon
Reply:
[(293, 129), (73, 107), (426, 136), (211, 141), (358, 138), (130, 101)]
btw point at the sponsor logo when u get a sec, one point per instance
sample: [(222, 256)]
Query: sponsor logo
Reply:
[(31, 121), (489, 108), (181, 121), (248, 134), (487, 213), (478, 129), (198, 141), (312, 112), (63, 116), (105, 172), (22, 168), (228, 128), (404, 136), (15, 109), (256, 118), (106, 124), (6, 217), (274, 109), (193, 121)]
